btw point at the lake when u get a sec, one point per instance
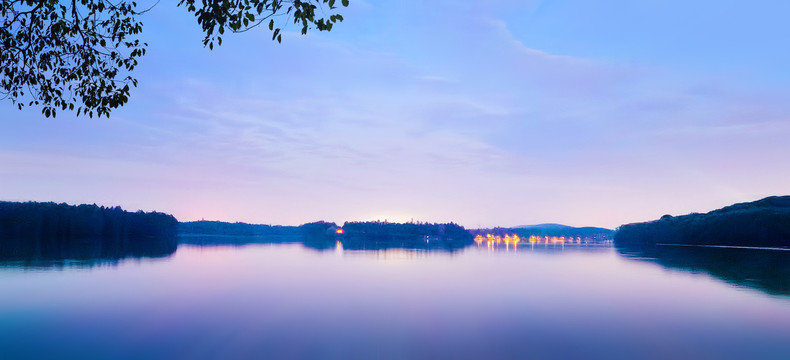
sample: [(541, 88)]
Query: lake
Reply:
[(287, 300)]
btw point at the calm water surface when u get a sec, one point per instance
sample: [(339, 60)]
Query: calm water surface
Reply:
[(288, 301)]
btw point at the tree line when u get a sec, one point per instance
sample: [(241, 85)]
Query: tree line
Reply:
[(35, 231), (204, 227), (763, 223), (40, 221)]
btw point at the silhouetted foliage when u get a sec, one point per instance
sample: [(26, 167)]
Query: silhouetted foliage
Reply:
[(78, 54), (35, 232), (318, 235), (763, 223), (318, 228), (42, 221)]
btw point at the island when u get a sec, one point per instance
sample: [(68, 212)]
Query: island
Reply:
[(412, 235), (322, 235)]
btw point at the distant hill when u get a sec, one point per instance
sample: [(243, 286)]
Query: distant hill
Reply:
[(544, 226), (762, 223), (559, 230), (550, 230)]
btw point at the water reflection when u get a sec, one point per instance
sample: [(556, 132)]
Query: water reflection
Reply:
[(81, 253), (288, 301), (767, 271), (87, 253), (764, 270), (376, 243), (341, 244), (393, 255), (237, 240), (513, 242)]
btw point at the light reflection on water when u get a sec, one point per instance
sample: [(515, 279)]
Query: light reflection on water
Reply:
[(286, 300)]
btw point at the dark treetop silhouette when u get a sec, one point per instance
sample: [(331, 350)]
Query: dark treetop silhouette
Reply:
[(78, 54), (37, 232), (763, 223)]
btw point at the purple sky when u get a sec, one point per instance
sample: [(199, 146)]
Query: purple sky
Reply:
[(483, 113)]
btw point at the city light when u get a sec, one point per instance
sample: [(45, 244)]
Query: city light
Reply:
[(491, 241)]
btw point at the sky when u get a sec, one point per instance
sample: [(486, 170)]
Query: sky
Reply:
[(484, 113)]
